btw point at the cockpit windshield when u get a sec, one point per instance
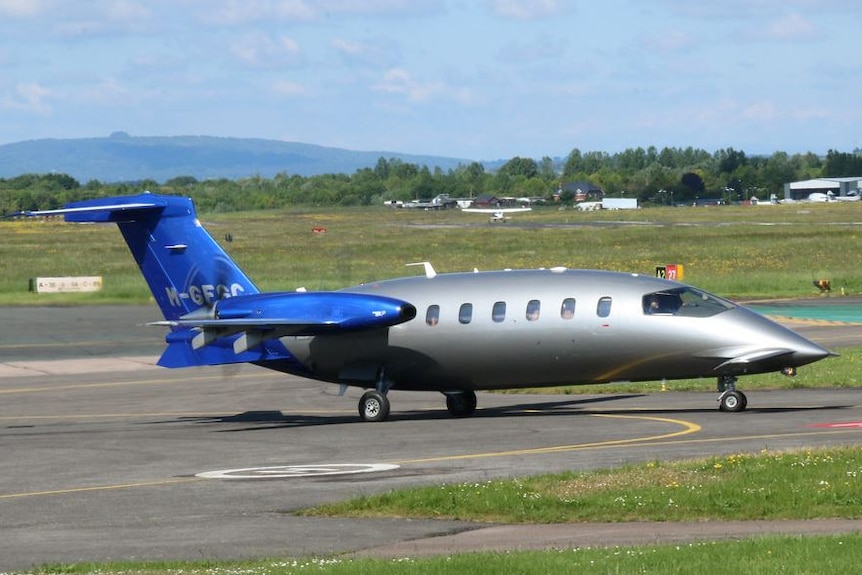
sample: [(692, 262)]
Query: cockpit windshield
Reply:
[(684, 302)]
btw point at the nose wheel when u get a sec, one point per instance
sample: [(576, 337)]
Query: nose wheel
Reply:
[(730, 399)]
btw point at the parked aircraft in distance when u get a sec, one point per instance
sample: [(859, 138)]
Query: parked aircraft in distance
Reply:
[(588, 206), (454, 333), (497, 214), (439, 202), (831, 197)]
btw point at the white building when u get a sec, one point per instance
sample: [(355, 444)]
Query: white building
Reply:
[(838, 186)]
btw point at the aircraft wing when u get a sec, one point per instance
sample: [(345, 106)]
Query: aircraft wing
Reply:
[(96, 208)]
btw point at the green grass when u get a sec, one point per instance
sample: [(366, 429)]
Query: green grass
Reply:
[(788, 485), (756, 556), (737, 252)]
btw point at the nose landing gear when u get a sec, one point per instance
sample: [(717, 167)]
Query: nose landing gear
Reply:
[(730, 399)]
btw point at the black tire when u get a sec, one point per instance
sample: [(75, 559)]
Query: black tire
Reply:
[(461, 403), (373, 406), (733, 401)]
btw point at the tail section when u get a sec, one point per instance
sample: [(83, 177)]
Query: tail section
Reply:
[(183, 265), (215, 313)]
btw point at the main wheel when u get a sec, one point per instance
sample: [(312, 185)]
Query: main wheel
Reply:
[(461, 403), (733, 401), (373, 406)]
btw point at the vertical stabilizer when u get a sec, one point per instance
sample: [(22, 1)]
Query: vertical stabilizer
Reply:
[(183, 265)]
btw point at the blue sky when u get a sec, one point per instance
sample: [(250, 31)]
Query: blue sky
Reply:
[(481, 80)]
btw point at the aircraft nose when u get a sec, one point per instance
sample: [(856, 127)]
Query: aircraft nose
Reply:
[(771, 346), (806, 351)]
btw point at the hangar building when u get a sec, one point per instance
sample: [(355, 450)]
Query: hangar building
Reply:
[(838, 186)]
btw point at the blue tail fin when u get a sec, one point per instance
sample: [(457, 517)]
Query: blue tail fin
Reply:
[(186, 271), (183, 265)]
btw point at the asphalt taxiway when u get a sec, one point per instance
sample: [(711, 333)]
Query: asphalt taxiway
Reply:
[(107, 457)]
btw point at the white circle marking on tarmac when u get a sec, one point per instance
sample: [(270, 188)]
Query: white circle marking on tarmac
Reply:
[(295, 471)]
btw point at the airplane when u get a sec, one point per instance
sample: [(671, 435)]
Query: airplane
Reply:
[(438, 202), (589, 206), (497, 214), (453, 333)]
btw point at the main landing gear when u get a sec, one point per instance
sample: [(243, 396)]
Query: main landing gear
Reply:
[(730, 398), (461, 403), (374, 404)]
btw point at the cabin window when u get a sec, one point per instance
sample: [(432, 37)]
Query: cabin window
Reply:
[(567, 310), (465, 314), (432, 315), (684, 302), (498, 312), (603, 309), (533, 308)]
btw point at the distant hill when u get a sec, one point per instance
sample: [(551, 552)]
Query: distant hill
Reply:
[(124, 158)]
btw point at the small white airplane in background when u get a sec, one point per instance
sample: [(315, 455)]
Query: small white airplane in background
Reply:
[(831, 197), (589, 206), (497, 214)]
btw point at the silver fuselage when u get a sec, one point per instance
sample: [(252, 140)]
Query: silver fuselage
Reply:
[(610, 337)]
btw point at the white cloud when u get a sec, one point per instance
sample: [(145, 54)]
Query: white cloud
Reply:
[(400, 82), (107, 92), (669, 41), (235, 12), (379, 53), (538, 49), (21, 8), (29, 97), (759, 111), (792, 27), (127, 11), (526, 9), (287, 88), (265, 52)]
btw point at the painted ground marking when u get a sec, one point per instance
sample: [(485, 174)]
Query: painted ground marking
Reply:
[(296, 471)]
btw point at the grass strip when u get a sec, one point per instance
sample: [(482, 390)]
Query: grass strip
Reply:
[(736, 252), (808, 484), (760, 555)]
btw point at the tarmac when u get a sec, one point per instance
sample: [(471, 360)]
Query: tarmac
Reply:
[(84, 435)]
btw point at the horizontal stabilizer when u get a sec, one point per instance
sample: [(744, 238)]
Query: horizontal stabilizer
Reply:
[(104, 209), (211, 328), (182, 353)]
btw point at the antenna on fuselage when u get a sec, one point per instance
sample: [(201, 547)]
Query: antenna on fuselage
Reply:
[(429, 269)]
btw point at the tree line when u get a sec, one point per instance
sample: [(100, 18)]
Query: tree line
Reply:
[(679, 175)]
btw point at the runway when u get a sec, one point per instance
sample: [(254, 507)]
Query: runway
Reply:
[(106, 457)]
